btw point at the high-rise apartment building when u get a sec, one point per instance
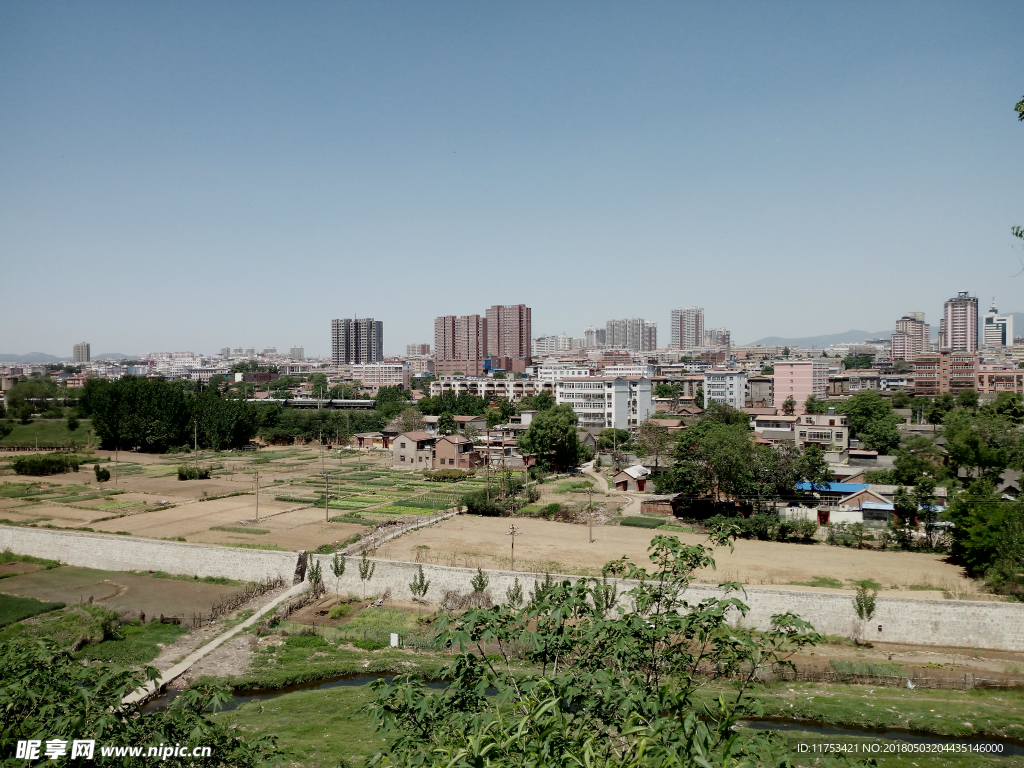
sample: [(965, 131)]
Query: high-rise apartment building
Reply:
[(687, 327), (912, 337), (357, 341), (717, 337), (82, 352), (509, 329), (958, 328), (799, 379), (594, 337), (997, 329), (460, 344), (297, 353), (417, 350), (634, 333)]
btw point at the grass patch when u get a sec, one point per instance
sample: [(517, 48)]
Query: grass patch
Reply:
[(642, 522), (677, 528), (222, 580), (924, 588), (573, 486), (49, 432), (273, 547), (339, 611), (137, 645), (867, 669), (240, 529), (9, 557), (866, 583), (820, 581), (14, 608)]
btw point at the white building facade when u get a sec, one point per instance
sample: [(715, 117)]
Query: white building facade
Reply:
[(607, 402), (728, 387)]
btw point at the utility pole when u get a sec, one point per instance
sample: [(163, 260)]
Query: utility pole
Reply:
[(513, 532), (488, 468), (327, 496), (590, 493), (257, 473)]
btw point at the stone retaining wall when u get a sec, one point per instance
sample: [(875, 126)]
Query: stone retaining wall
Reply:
[(957, 623), (126, 553), (902, 620)]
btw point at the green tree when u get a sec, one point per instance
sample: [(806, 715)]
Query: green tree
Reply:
[(967, 398), (653, 441), (698, 397), (785, 351), (815, 405), (499, 374), (789, 406), (605, 687), (552, 438), (446, 424), (338, 569), (613, 439), (419, 584), (410, 420), (917, 456), (49, 694), (858, 361), (768, 370), (318, 381), (872, 421), (390, 401), (900, 399)]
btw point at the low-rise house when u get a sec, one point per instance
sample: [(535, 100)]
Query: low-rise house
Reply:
[(456, 452), (479, 423), (632, 479), (829, 431), (413, 450), (367, 441)]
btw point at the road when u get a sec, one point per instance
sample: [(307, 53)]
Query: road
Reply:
[(632, 508)]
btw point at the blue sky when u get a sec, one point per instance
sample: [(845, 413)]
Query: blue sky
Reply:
[(193, 175)]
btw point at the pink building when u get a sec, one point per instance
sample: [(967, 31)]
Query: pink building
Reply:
[(799, 379)]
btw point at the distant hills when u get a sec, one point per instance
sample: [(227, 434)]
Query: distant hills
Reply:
[(846, 337), (42, 357), (31, 357)]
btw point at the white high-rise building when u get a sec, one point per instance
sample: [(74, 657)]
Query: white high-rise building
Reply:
[(601, 402), (958, 328), (724, 386), (82, 352), (912, 337), (297, 353), (635, 334), (998, 329), (594, 337), (687, 327)]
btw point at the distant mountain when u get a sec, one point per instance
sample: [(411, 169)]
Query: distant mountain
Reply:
[(846, 337), (31, 357), (114, 356)]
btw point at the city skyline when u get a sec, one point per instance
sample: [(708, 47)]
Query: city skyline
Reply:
[(189, 159)]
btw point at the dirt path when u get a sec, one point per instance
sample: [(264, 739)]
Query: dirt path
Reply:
[(632, 507)]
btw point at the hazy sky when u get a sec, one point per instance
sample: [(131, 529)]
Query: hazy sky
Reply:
[(192, 175)]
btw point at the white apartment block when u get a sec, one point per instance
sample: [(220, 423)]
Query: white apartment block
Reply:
[(382, 374), (607, 402), (484, 386), (998, 329), (687, 327), (556, 372), (722, 386), (629, 371)]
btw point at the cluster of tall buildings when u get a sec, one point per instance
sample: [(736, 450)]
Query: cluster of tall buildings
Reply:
[(473, 344), (357, 341), (958, 329)]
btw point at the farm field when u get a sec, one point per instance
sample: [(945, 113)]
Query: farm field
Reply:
[(472, 542), (122, 592), (145, 498)]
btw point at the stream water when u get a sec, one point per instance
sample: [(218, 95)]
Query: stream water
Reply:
[(1009, 747)]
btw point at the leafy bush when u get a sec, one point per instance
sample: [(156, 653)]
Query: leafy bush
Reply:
[(102, 473), (642, 522), (476, 503), (305, 641), (766, 527), (46, 464), (192, 472), (339, 611), (448, 475), (867, 668)]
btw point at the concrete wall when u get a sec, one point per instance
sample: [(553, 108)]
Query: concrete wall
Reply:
[(126, 553), (903, 620)]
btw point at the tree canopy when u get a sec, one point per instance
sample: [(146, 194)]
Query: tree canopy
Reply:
[(552, 438), (871, 420)]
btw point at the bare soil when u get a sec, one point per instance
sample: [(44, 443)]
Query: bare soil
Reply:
[(126, 592), (467, 541)]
